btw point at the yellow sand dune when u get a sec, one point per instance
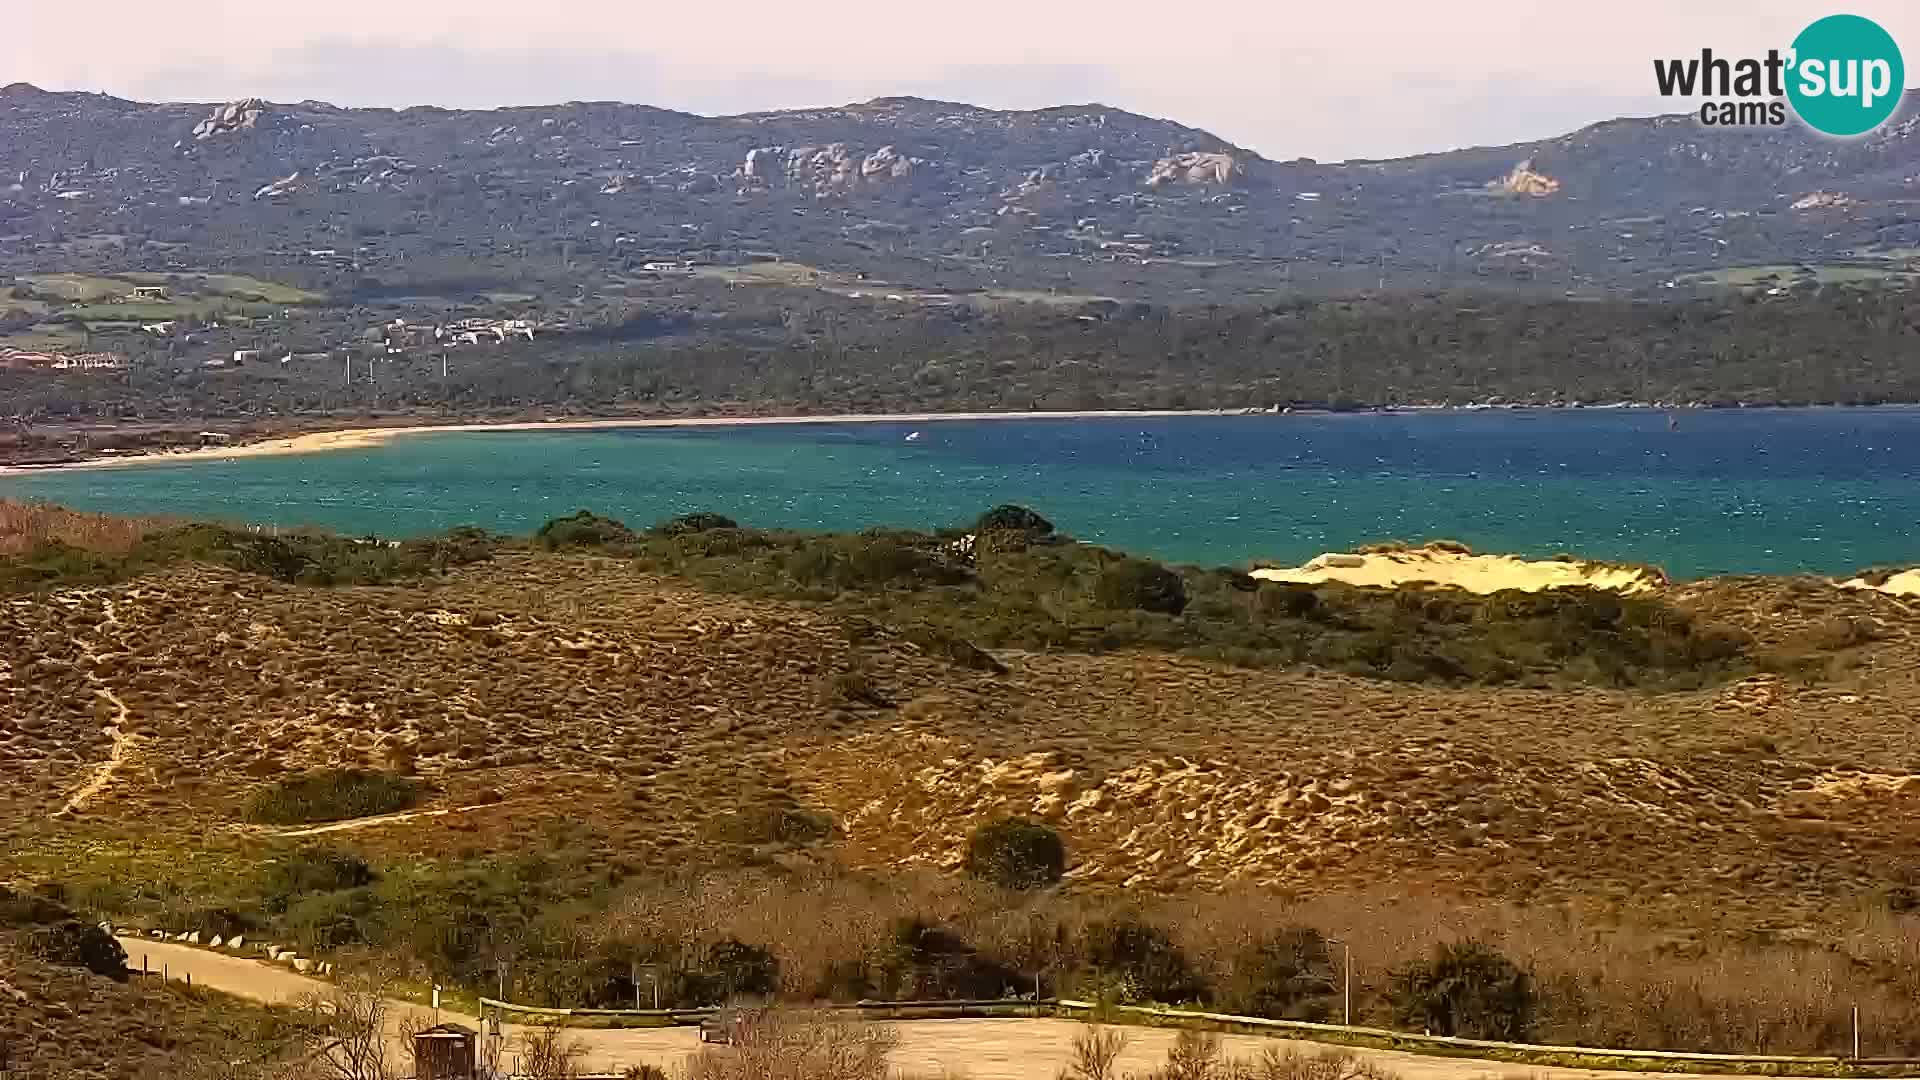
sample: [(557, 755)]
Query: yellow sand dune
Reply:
[(1448, 566), (1904, 583)]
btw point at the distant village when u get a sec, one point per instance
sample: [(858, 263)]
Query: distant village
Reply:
[(392, 340)]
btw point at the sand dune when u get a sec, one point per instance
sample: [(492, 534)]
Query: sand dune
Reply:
[(1459, 568), (1904, 583)]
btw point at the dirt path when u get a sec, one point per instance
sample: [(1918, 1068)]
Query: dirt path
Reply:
[(978, 1049), (116, 729), (103, 773), (379, 819)]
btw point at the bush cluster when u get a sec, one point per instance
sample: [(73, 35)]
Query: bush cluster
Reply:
[(1015, 853), (333, 795)]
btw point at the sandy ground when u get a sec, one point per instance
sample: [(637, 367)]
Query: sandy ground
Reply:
[(362, 438), (976, 1049), (1904, 583), (1474, 573)]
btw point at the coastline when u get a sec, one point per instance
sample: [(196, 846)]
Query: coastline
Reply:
[(317, 442), (361, 438)]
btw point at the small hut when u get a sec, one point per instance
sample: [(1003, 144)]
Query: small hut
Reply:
[(444, 1052)]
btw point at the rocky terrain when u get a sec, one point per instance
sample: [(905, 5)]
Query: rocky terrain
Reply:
[(1632, 201)]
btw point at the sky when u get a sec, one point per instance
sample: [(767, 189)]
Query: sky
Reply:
[(1331, 80)]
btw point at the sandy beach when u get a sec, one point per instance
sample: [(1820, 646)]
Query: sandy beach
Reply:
[(364, 438), (1445, 566)]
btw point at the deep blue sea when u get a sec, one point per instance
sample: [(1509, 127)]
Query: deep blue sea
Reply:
[(1728, 491)]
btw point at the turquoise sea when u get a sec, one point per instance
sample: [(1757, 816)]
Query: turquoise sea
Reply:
[(1727, 491)]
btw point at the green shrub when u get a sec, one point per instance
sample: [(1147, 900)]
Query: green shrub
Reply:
[(311, 870), (333, 795), (1010, 518), (924, 961), (698, 522), (1127, 960), (583, 529), (221, 921), (77, 944), (730, 968), (1015, 853), (51, 564), (1464, 989), (333, 920), (1142, 585), (1289, 975)]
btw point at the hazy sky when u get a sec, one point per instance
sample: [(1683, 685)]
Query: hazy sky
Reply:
[(1331, 79)]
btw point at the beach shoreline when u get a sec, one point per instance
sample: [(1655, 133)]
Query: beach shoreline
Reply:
[(364, 438), (368, 437)]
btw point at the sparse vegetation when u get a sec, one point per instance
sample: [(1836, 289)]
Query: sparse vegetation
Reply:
[(648, 775)]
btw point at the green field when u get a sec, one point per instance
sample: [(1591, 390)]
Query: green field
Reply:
[(236, 286), (77, 288), (1787, 274), (45, 336), (89, 289)]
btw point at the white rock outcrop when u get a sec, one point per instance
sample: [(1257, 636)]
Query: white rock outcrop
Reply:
[(1822, 200), (886, 163), (231, 117), (1523, 180), (1195, 168), (279, 187), (833, 169)]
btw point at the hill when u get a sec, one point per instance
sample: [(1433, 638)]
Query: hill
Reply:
[(947, 194), (592, 754)]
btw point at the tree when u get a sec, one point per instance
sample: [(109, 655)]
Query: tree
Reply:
[(548, 1053), (1465, 988), (346, 1033), (1015, 853)]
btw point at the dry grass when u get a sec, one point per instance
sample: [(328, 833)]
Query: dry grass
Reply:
[(26, 524)]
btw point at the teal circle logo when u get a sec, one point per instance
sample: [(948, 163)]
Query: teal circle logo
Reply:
[(1846, 75)]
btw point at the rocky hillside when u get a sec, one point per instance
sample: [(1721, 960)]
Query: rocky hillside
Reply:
[(1626, 201)]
